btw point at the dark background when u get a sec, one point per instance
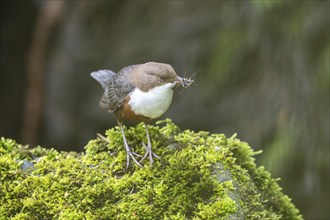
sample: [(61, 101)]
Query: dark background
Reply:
[(264, 75)]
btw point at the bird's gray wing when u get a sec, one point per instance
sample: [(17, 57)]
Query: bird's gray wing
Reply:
[(115, 92), (116, 86)]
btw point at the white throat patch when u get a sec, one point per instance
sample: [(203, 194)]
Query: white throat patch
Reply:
[(153, 103)]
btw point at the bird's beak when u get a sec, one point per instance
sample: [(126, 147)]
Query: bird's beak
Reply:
[(178, 82), (184, 82)]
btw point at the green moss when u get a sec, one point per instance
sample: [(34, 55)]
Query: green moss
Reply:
[(200, 176)]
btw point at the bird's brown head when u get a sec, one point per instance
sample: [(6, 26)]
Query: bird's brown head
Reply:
[(152, 74)]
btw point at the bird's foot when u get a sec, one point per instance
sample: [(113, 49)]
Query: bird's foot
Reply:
[(149, 153), (131, 154)]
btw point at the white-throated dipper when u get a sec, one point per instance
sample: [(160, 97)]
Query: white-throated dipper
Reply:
[(139, 93)]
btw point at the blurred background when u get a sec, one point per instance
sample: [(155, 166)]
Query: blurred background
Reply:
[(264, 75)]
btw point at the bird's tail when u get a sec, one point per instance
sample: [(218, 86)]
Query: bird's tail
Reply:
[(103, 77)]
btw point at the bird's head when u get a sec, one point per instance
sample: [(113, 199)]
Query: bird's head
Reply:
[(153, 74)]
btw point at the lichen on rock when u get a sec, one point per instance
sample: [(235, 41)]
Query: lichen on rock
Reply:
[(199, 176)]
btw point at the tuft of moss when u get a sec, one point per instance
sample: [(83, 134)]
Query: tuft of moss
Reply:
[(199, 176)]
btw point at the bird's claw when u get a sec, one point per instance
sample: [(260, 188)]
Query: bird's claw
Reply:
[(149, 152), (131, 154)]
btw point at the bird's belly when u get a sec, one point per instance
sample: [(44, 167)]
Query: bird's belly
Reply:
[(152, 104), (126, 114)]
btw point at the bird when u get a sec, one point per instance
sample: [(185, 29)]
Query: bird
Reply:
[(139, 93)]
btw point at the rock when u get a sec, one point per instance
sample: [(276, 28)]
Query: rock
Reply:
[(199, 176)]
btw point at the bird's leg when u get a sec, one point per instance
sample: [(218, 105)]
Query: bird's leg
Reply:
[(127, 148), (148, 148)]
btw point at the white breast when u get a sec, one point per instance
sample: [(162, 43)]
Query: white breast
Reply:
[(153, 103)]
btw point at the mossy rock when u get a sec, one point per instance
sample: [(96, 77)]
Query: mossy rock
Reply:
[(199, 176)]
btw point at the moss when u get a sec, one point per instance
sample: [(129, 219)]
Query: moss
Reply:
[(200, 176)]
